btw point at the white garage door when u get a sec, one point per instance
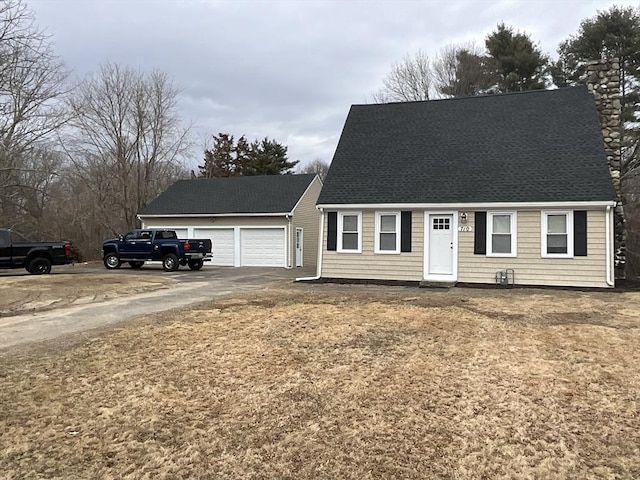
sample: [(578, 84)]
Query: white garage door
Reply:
[(180, 232), (262, 247), (223, 244)]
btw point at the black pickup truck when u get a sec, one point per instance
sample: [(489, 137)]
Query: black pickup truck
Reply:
[(36, 257), (153, 244)]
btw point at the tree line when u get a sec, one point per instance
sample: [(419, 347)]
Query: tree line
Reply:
[(231, 158), (511, 61), (80, 157)]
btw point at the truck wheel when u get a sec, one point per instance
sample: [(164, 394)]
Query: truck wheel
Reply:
[(39, 266), (136, 264), (196, 264), (111, 261), (170, 262)]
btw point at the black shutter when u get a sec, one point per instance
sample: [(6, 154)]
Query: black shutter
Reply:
[(580, 233), (332, 231), (480, 237), (405, 231)]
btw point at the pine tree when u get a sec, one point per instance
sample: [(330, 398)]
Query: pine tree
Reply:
[(609, 35), (220, 161), (519, 64), (268, 157)]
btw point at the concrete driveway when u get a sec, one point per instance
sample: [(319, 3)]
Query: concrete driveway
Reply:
[(191, 288)]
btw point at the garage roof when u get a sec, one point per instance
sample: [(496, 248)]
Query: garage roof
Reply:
[(242, 195)]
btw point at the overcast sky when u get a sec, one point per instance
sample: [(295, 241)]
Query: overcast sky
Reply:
[(288, 70)]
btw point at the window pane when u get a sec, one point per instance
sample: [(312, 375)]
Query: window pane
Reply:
[(500, 243), (387, 241), (387, 223), (349, 241), (501, 223), (350, 223), (557, 223), (556, 244)]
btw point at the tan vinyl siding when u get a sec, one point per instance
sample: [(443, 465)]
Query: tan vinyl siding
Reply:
[(307, 216), (405, 266), (529, 266)]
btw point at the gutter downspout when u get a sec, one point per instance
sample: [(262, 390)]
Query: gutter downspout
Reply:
[(320, 242), (610, 280), (289, 243)]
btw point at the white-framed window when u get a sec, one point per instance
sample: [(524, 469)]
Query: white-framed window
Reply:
[(349, 232), (387, 232), (557, 234), (501, 234)]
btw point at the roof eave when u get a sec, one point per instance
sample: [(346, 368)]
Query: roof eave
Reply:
[(206, 215), (481, 205)]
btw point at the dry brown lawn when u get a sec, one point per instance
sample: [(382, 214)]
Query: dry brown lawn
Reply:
[(329, 381), (30, 293)]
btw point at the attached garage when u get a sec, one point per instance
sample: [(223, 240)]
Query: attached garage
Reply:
[(223, 241), (251, 221), (262, 247)]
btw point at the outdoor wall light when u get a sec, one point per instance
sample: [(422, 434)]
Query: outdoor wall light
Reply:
[(463, 217)]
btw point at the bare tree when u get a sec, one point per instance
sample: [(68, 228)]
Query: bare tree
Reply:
[(317, 166), (127, 143), (409, 80), (462, 70), (32, 84)]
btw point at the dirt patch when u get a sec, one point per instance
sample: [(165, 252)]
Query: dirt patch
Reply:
[(25, 294), (337, 382)]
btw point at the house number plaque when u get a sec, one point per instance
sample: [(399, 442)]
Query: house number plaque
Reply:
[(465, 228)]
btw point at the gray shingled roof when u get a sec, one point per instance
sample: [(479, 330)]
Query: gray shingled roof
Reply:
[(259, 194), (540, 146)]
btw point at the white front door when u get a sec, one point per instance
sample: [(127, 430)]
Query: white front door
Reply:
[(441, 248), (298, 247)]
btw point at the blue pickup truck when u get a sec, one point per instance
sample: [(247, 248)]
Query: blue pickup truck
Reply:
[(153, 244)]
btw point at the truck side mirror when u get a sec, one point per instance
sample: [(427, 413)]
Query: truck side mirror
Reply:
[(120, 237)]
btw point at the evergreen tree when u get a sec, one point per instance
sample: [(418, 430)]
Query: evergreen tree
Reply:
[(611, 34), (241, 151), (268, 157), (229, 159), (225, 159), (518, 63)]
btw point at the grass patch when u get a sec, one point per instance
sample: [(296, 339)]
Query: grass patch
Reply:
[(31, 293), (328, 381)]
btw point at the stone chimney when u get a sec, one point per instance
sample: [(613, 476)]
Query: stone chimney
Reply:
[(603, 80)]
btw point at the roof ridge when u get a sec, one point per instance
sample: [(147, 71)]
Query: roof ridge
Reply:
[(280, 175), (472, 97)]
